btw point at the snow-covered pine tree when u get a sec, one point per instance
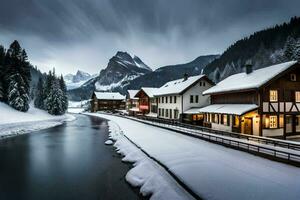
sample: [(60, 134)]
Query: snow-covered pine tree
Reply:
[(47, 87), (289, 49), (39, 95), (63, 88), (54, 99), (17, 94), (297, 50), (2, 73), (25, 70)]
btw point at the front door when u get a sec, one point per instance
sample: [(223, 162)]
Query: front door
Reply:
[(248, 126)]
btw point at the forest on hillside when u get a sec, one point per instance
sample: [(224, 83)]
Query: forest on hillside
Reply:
[(280, 43), (16, 88)]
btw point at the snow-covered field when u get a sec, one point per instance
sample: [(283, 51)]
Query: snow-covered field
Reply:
[(13, 122), (210, 170)]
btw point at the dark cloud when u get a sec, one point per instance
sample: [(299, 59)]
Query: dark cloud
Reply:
[(85, 34)]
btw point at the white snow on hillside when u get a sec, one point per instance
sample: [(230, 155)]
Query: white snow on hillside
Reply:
[(13, 122), (120, 83), (210, 170)]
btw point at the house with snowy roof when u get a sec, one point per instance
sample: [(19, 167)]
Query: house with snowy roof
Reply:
[(112, 101), (147, 102), (262, 102), (132, 102), (178, 99)]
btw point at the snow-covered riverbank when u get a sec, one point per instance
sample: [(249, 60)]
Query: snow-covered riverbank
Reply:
[(13, 122), (210, 170)]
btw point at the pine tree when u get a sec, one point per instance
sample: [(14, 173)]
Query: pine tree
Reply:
[(2, 73), (297, 50), (17, 95), (63, 88), (54, 99), (25, 70), (39, 95), (289, 48), (47, 87)]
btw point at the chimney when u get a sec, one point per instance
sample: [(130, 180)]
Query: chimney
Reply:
[(185, 77), (249, 67)]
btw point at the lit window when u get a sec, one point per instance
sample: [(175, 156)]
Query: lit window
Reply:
[(297, 96), (273, 121), (236, 121), (273, 95), (293, 77), (224, 119)]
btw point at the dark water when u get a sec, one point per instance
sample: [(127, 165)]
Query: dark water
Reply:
[(64, 162)]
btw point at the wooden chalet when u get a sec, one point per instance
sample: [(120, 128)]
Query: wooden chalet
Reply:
[(147, 101), (112, 101), (263, 102), (132, 102)]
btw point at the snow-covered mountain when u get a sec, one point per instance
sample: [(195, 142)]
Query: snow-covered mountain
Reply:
[(77, 80), (120, 70)]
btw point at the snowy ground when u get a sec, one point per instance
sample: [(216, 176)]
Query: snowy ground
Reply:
[(13, 122), (210, 170)]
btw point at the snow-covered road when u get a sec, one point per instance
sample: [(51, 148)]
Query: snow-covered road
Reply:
[(213, 171)]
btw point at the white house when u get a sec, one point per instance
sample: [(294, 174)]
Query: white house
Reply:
[(177, 99)]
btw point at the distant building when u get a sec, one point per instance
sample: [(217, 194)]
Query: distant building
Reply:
[(132, 102), (263, 102), (179, 98), (147, 101), (107, 101)]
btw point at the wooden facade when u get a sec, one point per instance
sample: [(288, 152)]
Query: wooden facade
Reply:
[(146, 104), (278, 102), (106, 104)]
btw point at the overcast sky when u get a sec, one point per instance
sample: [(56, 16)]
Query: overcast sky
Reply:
[(84, 34)]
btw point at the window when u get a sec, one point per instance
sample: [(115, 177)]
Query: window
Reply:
[(171, 99), (166, 99), (200, 83), (175, 98), (191, 99), (224, 119), (162, 100), (197, 99), (236, 121), (273, 95), (170, 112), (293, 77), (203, 84), (162, 112), (216, 118), (167, 113), (175, 113), (297, 96), (273, 121), (159, 112)]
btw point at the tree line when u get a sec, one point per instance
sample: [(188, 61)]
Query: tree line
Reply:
[(15, 78)]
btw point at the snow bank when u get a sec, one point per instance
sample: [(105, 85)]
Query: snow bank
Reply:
[(109, 142), (212, 171), (13, 122), (152, 179)]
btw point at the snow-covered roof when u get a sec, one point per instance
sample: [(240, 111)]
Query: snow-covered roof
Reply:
[(243, 81), (192, 111), (109, 95), (177, 86), (149, 91), (235, 109), (132, 93)]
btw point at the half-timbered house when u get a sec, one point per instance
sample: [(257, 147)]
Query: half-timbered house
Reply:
[(263, 102)]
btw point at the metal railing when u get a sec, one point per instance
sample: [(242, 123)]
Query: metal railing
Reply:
[(221, 137), (258, 139)]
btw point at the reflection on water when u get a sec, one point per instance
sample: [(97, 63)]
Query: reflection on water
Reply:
[(64, 162)]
